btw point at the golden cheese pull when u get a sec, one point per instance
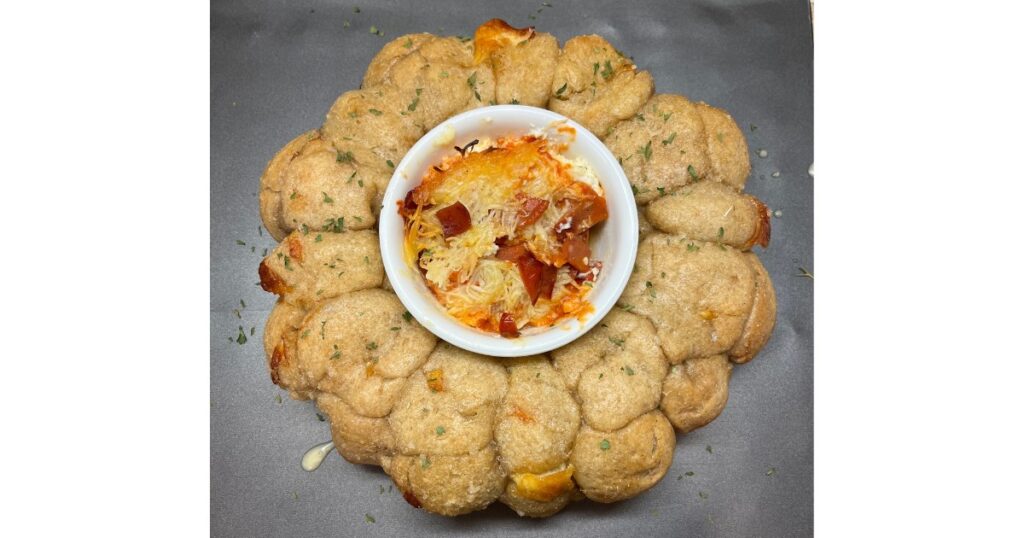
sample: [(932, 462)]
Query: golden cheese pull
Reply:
[(544, 487), (496, 34)]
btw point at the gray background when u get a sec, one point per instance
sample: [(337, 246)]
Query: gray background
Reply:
[(275, 69)]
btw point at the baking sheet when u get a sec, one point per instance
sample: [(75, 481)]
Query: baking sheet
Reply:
[(275, 69)]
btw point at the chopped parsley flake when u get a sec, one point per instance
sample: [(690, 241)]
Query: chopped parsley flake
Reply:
[(770, 472), (371, 346), (407, 316), (375, 112), (669, 140), (708, 448), (335, 225), (424, 462), (561, 90), (389, 163), (472, 84), (320, 417), (646, 151), (327, 200), (692, 171), (346, 157), (617, 341), (318, 238), (241, 339), (607, 72), (370, 519), (604, 444), (439, 430)]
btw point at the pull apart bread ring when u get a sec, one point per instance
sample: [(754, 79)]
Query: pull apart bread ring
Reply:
[(595, 419)]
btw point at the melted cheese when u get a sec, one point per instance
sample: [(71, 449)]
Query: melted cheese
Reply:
[(491, 181)]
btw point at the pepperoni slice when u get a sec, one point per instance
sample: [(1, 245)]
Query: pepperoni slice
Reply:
[(454, 219), (530, 270), (547, 281), (507, 326), (511, 253), (577, 251), (531, 211)]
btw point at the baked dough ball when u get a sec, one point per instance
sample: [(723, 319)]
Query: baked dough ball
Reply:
[(697, 295), (395, 50), (359, 439), (596, 85), (306, 185), (618, 465), (727, 147), (370, 133), (523, 61), (708, 211), (360, 347), (312, 266), (673, 142), (436, 79), (447, 485), (615, 370), (448, 406), (536, 426), (762, 315), (280, 343), (696, 391)]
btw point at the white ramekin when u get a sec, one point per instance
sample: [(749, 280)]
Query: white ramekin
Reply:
[(614, 242)]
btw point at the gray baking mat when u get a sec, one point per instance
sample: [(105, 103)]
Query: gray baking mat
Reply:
[(275, 69)]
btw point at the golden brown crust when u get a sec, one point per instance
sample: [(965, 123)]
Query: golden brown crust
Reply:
[(495, 35)]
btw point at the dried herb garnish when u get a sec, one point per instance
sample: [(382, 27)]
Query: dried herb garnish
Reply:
[(561, 90), (607, 72), (346, 157), (669, 140), (806, 273), (327, 200), (604, 444)]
